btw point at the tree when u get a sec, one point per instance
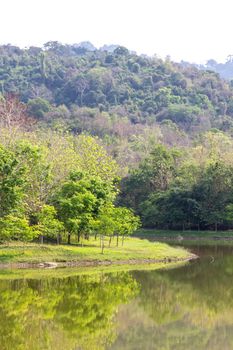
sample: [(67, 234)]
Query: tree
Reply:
[(214, 191), (12, 180), (155, 173), (106, 223), (16, 228), (38, 107), (94, 160), (126, 222), (48, 224), (173, 209), (37, 184), (13, 114), (79, 202)]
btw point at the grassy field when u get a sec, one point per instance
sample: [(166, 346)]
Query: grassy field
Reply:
[(148, 233), (133, 249)]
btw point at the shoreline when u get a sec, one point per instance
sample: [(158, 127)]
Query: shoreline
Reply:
[(95, 263), (188, 238)]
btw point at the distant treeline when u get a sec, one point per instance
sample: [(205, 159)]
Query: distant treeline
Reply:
[(188, 188)]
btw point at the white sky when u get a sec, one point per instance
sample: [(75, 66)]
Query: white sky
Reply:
[(192, 30)]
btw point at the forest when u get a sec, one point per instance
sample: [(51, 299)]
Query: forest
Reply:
[(54, 184), (99, 140)]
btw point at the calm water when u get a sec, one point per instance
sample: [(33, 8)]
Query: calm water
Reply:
[(190, 307)]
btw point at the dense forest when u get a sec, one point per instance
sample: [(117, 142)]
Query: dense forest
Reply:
[(86, 89), (86, 131)]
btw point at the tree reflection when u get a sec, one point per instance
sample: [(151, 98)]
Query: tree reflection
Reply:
[(71, 313), (186, 308)]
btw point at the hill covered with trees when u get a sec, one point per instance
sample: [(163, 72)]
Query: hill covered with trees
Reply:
[(83, 86), (164, 128)]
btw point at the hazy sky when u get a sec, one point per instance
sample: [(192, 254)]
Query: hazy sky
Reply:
[(192, 30)]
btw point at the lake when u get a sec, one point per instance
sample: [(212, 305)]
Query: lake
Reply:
[(189, 307)]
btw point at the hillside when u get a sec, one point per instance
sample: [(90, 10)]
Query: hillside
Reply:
[(84, 87), (164, 129)]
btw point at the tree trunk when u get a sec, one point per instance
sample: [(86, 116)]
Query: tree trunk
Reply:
[(216, 226), (68, 240), (41, 239), (110, 240), (78, 237), (58, 238), (95, 236), (122, 240), (102, 247), (117, 239), (198, 226)]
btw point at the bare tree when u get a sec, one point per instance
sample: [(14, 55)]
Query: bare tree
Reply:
[(13, 114)]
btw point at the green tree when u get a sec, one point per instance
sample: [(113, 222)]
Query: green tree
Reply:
[(106, 223), (214, 191), (155, 173), (79, 202), (12, 180), (48, 224), (37, 184), (16, 228), (126, 222), (38, 107)]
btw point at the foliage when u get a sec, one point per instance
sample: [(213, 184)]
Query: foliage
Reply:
[(15, 228), (126, 221), (37, 186), (111, 113), (48, 224), (11, 182), (38, 169), (93, 90), (192, 188), (38, 107), (79, 203)]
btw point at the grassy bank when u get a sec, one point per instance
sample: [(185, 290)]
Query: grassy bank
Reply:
[(188, 238), (134, 251), (149, 233)]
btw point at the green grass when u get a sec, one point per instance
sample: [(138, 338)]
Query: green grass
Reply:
[(134, 248), (147, 233), (188, 238)]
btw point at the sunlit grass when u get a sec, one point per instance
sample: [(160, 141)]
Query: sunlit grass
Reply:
[(133, 248)]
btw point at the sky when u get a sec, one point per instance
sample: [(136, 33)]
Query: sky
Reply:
[(189, 30)]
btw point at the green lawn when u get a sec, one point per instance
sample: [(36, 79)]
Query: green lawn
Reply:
[(134, 248)]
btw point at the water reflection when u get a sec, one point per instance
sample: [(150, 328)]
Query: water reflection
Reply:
[(190, 307), (70, 313), (186, 308)]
